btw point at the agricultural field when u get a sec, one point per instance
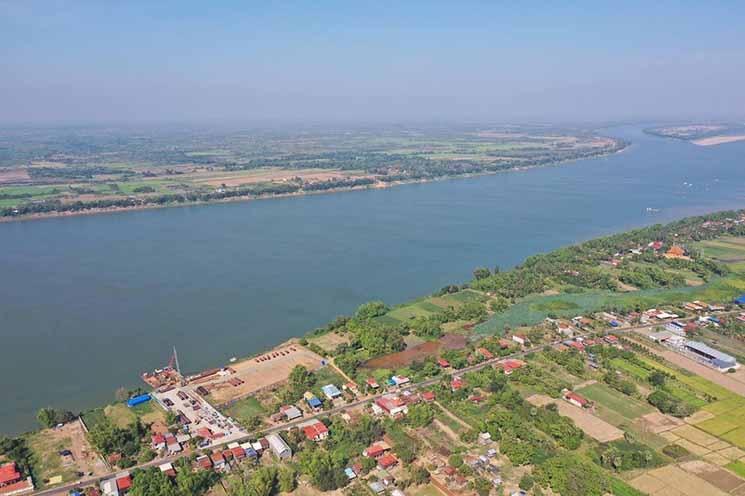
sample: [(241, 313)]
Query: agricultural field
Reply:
[(612, 406), (726, 249), (74, 169)]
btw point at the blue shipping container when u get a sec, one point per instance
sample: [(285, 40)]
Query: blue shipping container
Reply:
[(138, 400)]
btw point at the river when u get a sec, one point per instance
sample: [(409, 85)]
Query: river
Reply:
[(88, 303)]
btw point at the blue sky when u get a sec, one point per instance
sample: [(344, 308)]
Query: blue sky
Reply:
[(106, 61)]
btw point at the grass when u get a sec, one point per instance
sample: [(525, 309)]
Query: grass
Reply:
[(425, 490), (620, 488), (93, 417), (726, 249), (47, 461), (626, 407), (246, 409), (737, 467)]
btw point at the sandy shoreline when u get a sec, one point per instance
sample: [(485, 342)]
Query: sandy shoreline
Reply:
[(378, 185), (718, 140)]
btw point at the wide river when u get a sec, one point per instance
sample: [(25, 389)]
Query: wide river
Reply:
[(88, 303)]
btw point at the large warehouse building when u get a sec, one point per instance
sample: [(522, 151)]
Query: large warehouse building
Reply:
[(713, 357)]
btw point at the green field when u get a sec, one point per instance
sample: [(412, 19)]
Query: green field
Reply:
[(425, 307), (535, 308), (737, 467), (726, 249), (246, 409), (616, 406)]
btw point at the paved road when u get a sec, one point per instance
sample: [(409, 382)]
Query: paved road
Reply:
[(289, 425)]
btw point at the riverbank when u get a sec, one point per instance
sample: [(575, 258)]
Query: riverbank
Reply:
[(240, 199)]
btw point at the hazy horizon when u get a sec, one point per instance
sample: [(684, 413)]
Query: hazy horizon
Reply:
[(173, 62)]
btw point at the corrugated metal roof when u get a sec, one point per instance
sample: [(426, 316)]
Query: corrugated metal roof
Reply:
[(704, 348)]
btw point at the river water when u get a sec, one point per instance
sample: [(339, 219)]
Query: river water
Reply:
[(88, 303)]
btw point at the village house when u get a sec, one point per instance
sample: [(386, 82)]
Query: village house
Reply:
[(576, 399), (486, 354), (331, 391), (456, 384), (393, 405), (510, 365), (312, 400), (443, 363), (520, 339), (428, 396), (12, 482), (372, 383), (316, 431), (218, 460), (167, 468), (376, 450), (158, 442), (204, 462), (387, 461)]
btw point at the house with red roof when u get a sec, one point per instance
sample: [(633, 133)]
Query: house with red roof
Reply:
[(167, 468), (443, 363), (158, 442), (124, 483), (205, 432), (204, 462), (316, 431), (510, 365), (218, 461), (12, 482), (393, 405), (488, 355), (576, 399), (576, 345), (238, 453), (376, 450), (9, 474), (371, 382), (611, 339), (504, 344), (387, 461), (428, 396), (456, 383)]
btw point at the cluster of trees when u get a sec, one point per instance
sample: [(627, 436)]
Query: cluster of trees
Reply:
[(571, 473), (109, 438), (153, 482), (262, 481), (648, 276), (49, 417), (667, 403), (578, 265), (626, 454)]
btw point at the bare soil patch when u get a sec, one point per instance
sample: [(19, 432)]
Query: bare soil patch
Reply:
[(657, 422), (716, 476), (329, 341), (11, 176), (251, 375), (417, 353)]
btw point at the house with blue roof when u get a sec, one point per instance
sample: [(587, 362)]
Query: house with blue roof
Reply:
[(740, 300), (331, 391)]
